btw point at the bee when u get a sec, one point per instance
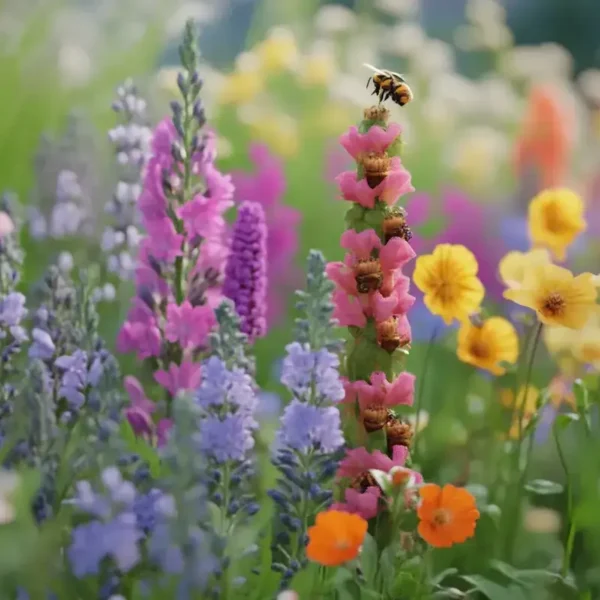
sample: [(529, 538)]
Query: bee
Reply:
[(388, 84)]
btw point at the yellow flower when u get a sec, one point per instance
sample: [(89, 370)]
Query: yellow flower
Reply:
[(448, 278), (586, 346), (240, 87), (317, 69), (278, 52), (526, 405), (556, 218), (488, 344), (530, 398), (279, 132), (557, 296), (513, 266)]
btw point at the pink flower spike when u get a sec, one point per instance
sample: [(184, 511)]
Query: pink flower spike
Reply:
[(376, 139), (403, 298), (350, 396), (396, 253), (164, 243), (383, 306), (179, 377), (202, 216), (359, 460), (342, 276), (139, 337), (348, 310), (399, 455), (140, 421), (360, 244)]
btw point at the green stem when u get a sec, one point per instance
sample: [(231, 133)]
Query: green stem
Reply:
[(572, 525), (521, 470), (421, 392)]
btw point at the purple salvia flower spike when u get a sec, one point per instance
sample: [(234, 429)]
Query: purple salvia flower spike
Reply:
[(246, 270)]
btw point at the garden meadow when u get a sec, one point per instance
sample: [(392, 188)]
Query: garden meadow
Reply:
[(298, 328)]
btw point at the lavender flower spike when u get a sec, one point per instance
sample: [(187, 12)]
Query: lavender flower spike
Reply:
[(246, 271)]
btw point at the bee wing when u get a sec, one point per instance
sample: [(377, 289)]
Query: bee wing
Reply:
[(375, 69), (398, 75)]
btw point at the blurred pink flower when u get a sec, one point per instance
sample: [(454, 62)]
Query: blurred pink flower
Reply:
[(365, 504), (6, 224), (359, 460), (267, 185), (189, 325), (376, 139), (179, 377)]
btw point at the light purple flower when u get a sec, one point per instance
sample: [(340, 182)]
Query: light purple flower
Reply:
[(225, 438), (74, 377), (12, 309), (245, 274), (305, 427), (312, 376), (42, 347)]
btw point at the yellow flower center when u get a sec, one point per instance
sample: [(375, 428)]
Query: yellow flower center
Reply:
[(480, 349), (553, 306), (442, 516), (555, 219)]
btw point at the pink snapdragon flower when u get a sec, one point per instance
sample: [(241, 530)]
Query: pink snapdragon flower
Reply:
[(182, 377), (380, 392), (189, 325), (396, 184), (377, 139), (364, 504), (359, 460)]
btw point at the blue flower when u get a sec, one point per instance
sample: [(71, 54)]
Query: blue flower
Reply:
[(306, 427)]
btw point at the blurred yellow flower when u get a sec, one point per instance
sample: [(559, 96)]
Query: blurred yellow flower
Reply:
[(526, 401), (586, 347), (513, 266), (556, 218), (448, 278), (332, 118), (279, 132), (278, 51), (317, 69), (525, 405), (488, 344), (556, 295), (240, 87)]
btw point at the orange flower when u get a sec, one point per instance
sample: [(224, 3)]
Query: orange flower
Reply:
[(336, 538), (545, 141), (447, 515)]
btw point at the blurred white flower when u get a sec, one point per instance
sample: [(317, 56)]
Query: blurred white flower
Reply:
[(434, 58), (9, 482), (74, 65), (335, 18), (201, 12), (542, 520), (352, 89), (65, 262), (363, 49), (477, 155), (288, 595), (398, 8), (247, 62), (589, 82), (423, 420), (498, 99), (456, 92), (538, 63), (484, 12), (440, 120), (404, 39)]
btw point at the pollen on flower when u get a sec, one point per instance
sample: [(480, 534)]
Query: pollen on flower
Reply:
[(442, 516), (377, 166), (374, 418), (554, 305), (377, 113), (388, 336), (394, 225), (369, 276)]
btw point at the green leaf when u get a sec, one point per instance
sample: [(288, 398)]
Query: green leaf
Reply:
[(490, 589), (437, 580), (565, 419), (544, 487), (528, 577), (405, 585), (369, 560), (582, 400), (140, 447)]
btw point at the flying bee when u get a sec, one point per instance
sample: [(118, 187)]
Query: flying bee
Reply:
[(388, 84)]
